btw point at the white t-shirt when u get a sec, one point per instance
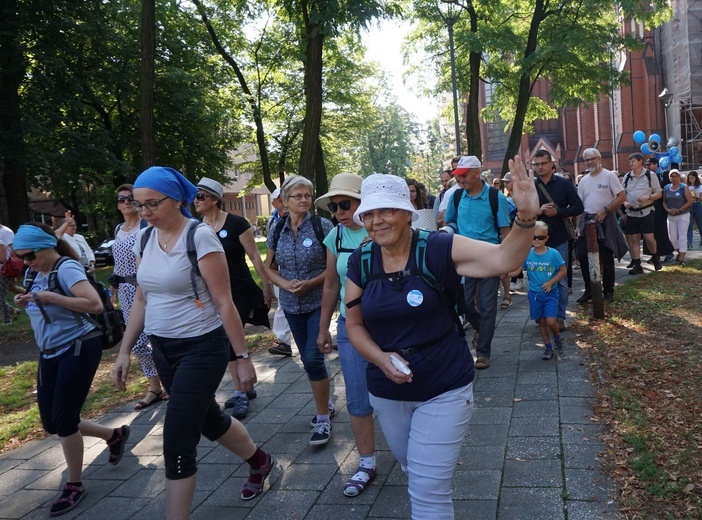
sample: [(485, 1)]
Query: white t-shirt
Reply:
[(6, 236), (447, 197), (171, 310), (599, 190), (81, 247)]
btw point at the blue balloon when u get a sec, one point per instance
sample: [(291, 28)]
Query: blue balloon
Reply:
[(639, 137), (655, 137), (645, 149), (673, 151), (678, 158), (664, 162)]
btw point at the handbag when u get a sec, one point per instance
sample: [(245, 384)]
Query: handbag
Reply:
[(570, 227), (12, 267)]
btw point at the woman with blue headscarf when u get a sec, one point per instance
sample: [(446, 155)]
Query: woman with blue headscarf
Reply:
[(190, 320), (70, 350)]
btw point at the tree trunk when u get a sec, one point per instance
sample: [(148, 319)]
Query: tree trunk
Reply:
[(473, 112), (321, 181), (146, 84), (14, 202)]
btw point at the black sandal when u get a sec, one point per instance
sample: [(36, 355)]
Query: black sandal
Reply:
[(144, 404)]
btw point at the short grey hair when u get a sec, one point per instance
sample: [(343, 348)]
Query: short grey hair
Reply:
[(293, 182), (592, 152)]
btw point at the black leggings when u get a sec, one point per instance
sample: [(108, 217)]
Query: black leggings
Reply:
[(63, 383), (190, 370)]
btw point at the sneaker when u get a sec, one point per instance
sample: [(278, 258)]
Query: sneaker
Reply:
[(560, 345), (251, 394), (332, 413), (281, 349), (657, 263), (118, 443), (668, 258), (630, 264), (649, 261), (68, 501), (240, 406), (321, 434), (586, 297), (513, 285), (548, 354), (520, 284), (637, 269)]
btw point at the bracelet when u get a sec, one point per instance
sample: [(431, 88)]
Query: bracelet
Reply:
[(532, 219), (525, 224)]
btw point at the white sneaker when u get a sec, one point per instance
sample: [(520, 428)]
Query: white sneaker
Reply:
[(520, 285), (512, 286)]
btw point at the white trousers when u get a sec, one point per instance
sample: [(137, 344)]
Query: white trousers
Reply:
[(280, 328)]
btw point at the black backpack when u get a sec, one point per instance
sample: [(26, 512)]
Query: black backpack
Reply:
[(316, 226), (109, 322)]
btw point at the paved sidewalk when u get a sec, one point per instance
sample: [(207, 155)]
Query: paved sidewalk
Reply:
[(531, 451)]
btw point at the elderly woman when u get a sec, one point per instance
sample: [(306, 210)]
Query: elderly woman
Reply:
[(124, 278), (677, 200), (252, 304), (296, 262), (70, 351), (420, 371), (343, 200), (189, 316)]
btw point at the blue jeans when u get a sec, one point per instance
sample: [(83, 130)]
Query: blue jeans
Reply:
[(487, 294), (305, 328), (563, 283), (353, 368), (695, 216), (425, 438)]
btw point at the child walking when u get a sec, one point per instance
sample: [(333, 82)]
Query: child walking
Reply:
[(545, 267)]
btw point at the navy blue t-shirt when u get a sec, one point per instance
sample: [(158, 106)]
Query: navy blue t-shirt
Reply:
[(414, 314)]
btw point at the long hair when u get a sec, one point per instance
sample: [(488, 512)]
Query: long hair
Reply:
[(62, 247), (694, 174), (419, 200)]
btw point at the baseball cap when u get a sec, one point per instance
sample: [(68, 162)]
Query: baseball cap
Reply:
[(467, 162)]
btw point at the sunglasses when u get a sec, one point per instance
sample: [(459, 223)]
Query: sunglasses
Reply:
[(344, 204), (28, 257), (124, 200), (201, 196), (540, 237)]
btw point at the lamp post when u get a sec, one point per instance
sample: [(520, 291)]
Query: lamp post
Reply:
[(666, 97), (449, 10)]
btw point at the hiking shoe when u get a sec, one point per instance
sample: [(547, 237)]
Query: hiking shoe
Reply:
[(669, 257), (548, 354), (630, 264), (321, 434), (251, 394), (240, 406), (560, 345), (637, 269), (657, 263), (281, 349), (332, 413), (586, 297), (118, 443), (68, 501)]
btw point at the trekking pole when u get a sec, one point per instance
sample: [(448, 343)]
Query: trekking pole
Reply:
[(593, 257)]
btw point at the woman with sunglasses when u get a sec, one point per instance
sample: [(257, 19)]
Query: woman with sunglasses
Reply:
[(343, 200), (70, 352), (420, 372), (190, 319), (296, 262), (252, 304)]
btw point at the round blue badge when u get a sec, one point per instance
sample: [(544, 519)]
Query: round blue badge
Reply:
[(307, 242), (415, 298), (223, 233)]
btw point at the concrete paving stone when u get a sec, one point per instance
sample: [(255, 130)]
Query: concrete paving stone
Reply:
[(508, 370), (307, 477), (537, 391), (283, 504), (127, 415), (545, 408), (573, 370), (582, 433), (281, 377), (47, 460), (351, 511), (507, 341), (476, 484), (487, 434), (481, 457), (548, 379), (576, 401), (96, 491), (495, 384), (397, 477), (531, 448), (52, 480), (15, 479), (492, 415), (151, 445), (229, 493), (534, 427), (591, 485), (530, 362), (273, 389), (581, 388), (220, 455), (261, 433), (24, 501), (273, 415), (147, 483), (503, 331), (333, 452), (296, 401), (582, 456), (532, 473), (286, 443), (30, 449), (301, 386), (581, 510), (129, 466), (384, 462), (576, 415), (493, 399), (475, 509), (530, 504), (8, 464), (210, 513), (98, 454), (392, 502), (139, 432), (118, 507), (501, 359), (299, 423), (212, 476)]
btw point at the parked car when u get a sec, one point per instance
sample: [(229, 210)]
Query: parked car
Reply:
[(103, 253)]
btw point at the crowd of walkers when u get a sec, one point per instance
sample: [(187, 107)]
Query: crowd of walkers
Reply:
[(186, 292)]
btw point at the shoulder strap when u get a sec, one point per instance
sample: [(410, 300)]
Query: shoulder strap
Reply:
[(648, 176), (627, 178), (494, 204), (318, 230), (277, 230), (143, 223), (420, 252), (456, 199), (192, 256), (339, 247), (119, 226), (144, 239), (54, 284)]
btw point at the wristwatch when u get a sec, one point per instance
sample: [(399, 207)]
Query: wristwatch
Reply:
[(245, 355)]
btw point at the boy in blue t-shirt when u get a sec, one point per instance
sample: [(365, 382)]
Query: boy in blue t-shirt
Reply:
[(545, 267)]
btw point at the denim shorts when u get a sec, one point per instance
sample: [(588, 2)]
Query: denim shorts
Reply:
[(353, 368), (543, 304)]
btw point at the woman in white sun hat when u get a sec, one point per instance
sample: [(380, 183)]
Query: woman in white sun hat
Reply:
[(420, 371)]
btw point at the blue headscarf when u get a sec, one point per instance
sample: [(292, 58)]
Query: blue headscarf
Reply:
[(171, 183), (33, 237)]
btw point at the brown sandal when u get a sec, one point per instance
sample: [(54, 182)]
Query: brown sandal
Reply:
[(506, 304), (482, 362)]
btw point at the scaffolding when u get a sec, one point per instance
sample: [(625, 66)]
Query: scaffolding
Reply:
[(691, 134)]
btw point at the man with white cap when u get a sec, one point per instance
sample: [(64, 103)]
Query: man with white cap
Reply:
[(481, 215), (280, 328)]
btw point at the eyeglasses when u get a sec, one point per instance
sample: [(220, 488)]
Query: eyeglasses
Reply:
[(123, 200), (201, 196), (383, 213), (538, 164), (151, 205), (343, 204), (300, 196), (28, 257), (540, 237)]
